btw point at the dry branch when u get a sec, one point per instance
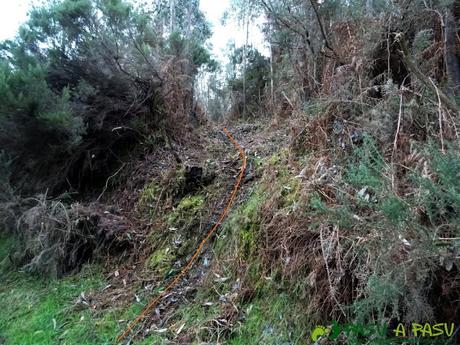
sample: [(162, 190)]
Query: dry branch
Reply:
[(411, 65)]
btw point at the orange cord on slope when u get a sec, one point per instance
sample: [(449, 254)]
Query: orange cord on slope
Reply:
[(184, 271)]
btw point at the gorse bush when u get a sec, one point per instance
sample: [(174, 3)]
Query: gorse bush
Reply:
[(82, 85), (364, 248), (439, 193), (79, 69), (366, 166), (26, 96), (404, 248)]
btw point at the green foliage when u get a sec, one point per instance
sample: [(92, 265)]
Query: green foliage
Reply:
[(422, 40), (77, 70), (5, 175), (25, 92), (186, 211), (394, 209), (36, 311), (440, 196), (382, 294), (117, 11), (248, 80), (366, 166), (8, 245), (257, 70), (272, 319), (191, 47)]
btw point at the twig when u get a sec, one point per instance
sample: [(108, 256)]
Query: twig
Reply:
[(325, 258), (454, 126), (290, 27), (395, 143), (107, 182), (287, 99), (440, 116), (449, 103)]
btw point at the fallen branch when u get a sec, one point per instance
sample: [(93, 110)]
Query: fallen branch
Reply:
[(395, 143), (287, 99)]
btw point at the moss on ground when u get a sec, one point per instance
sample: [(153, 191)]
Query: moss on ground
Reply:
[(187, 211), (241, 230), (161, 260), (181, 237), (149, 198), (285, 183)]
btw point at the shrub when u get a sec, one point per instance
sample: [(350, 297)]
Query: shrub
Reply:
[(55, 239)]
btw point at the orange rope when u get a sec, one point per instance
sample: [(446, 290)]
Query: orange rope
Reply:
[(149, 307)]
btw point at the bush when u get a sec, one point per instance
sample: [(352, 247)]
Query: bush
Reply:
[(56, 239)]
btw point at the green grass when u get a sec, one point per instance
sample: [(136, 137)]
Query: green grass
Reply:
[(6, 243), (34, 310), (240, 232), (273, 318), (37, 311)]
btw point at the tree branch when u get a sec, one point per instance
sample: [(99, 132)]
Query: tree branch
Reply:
[(287, 25), (411, 65), (321, 27)]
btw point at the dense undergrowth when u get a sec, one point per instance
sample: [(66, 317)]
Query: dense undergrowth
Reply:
[(274, 292), (341, 240), (353, 217)]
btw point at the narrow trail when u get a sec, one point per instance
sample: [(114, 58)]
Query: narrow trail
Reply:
[(137, 323)]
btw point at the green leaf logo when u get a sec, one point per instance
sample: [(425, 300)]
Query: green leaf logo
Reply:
[(318, 332)]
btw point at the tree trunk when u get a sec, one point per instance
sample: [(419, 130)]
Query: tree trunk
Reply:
[(452, 60), (272, 83), (172, 12), (245, 47), (369, 7)]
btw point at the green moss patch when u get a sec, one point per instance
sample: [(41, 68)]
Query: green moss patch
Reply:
[(149, 198), (161, 260), (241, 230), (186, 212)]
